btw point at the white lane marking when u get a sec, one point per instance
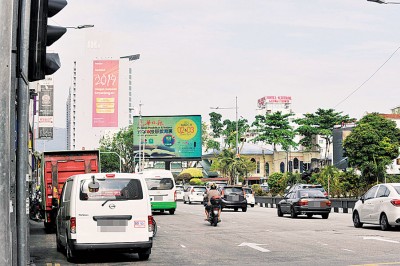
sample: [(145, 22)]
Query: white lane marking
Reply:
[(183, 246), (254, 246), (380, 239), (349, 250)]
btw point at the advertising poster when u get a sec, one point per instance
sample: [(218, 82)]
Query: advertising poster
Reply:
[(168, 136), (46, 108), (105, 93)]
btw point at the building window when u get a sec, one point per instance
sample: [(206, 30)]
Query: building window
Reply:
[(282, 167), (290, 166), (266, 169), (295, 163), (258, 167)]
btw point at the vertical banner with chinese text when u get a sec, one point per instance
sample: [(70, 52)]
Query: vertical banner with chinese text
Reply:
[(105, 93), (46, 107)]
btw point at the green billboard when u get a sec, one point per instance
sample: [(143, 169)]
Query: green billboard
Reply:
[(163, 137)]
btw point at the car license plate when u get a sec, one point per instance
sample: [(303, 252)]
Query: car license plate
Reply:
[(158, 198), (314, 204), (112, 225)]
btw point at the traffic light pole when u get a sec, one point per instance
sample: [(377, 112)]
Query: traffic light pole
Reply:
[(6, 14), (23, 257)]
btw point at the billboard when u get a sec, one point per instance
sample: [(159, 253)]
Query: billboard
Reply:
[(105, 93), (262, 102), (46, 108), (164, 137)]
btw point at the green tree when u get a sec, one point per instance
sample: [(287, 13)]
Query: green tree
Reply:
[(120, 143), (216, 124), (231, 166), (208, 142), (277, 183), (275, 129), (320, 123), (229, 131), (372, 145)]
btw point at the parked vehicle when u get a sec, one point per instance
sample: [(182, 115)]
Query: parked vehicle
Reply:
[(194, 194), (233, 197), (179, 192), (249, 196), (380, 205), (56, 167), (104, 212), (305, 201), (162, 191), (307, 186), (264, 187), (214, 210)]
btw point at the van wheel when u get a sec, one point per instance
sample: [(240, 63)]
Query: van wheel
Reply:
[(172, 211)]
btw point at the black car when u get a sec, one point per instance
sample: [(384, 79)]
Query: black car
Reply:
[(305, 201), (233, 197)]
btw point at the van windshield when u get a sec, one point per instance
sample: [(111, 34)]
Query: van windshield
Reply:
[(112, 189), (160, 183)]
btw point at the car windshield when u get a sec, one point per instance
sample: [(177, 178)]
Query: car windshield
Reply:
[(229, 190), (159, 183), (200, 189), (310, 193), (112, 189)]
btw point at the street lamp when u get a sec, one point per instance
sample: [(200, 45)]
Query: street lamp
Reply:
[(237, 130), (132, 58)]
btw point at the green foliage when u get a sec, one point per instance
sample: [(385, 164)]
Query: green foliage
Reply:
[(321, 123), (183, 177), (193, 172), (195, 181), (372, 145), (275, 129), (230, 165), (212, 145), (215, 124), (229, 131), (277, 183)]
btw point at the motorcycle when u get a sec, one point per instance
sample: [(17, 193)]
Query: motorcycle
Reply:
[(214, 210)]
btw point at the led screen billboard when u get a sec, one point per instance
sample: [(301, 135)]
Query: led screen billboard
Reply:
[(162, 137)]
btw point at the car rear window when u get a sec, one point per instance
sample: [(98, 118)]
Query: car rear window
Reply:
[(397, 188), (112, 189), (200, 189), (229, 190), (159, 183), (310, 193)]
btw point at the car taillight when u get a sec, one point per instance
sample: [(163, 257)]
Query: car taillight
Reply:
[(192, 191), (328, 203), (175, 195), (150, 223), (72, 225), (395, 202), (303, 202)]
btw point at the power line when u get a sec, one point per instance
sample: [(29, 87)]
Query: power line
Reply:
[(367, 79)]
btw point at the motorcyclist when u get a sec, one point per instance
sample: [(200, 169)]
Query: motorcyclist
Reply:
[(212, 192)]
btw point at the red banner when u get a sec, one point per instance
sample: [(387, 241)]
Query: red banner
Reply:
[(105, 93)]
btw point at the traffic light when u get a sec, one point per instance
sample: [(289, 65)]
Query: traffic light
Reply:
[(42, 35)]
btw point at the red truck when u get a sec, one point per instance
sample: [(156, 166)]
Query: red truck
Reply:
[(56, 167)]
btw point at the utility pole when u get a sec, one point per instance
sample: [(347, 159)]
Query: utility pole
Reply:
[(6, 70)]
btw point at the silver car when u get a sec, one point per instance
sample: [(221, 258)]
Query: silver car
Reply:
[(380, 205)]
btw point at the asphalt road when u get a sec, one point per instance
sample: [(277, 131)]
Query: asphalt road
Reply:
[(256, 237)]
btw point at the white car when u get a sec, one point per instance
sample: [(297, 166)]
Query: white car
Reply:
[(249, 196), (380, 205), (179, 192), (194, 194)]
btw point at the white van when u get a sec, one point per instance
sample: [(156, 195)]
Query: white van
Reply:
[(162, 190), (104, 212)]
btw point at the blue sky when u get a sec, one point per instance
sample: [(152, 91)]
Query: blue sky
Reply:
[(198, 54)]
